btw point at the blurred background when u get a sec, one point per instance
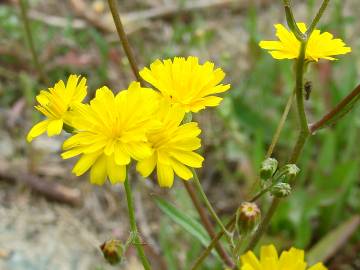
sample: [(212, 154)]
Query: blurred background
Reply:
[(49, 219)]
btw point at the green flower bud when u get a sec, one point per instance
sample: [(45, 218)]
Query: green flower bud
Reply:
[(291, 170), (268, 168), (247, 217), (112, 251), (281, 190)]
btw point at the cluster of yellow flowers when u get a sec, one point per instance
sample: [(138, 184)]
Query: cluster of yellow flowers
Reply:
[(138, 123), (148, 125)]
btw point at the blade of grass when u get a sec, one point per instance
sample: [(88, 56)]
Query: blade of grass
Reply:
[(333, 241)]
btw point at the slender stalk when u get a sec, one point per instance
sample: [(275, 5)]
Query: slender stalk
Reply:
[(317, 17), (292, 22), (123, 38), (133, 226), (207, 203), (259, 194), (303, 135), (280, 126), (30, 41), (207, 224), (336, 111), (212, 244), (275, 139)]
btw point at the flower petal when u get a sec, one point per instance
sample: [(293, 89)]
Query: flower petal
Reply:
[(55, 127), (37, 130), (165, 175)]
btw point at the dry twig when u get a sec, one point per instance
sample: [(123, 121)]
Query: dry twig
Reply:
[(51, 190)]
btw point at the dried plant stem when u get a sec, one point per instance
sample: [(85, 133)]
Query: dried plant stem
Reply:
[(212, 244), (338, 109), (123, 38), (133, 226), (30, 41), (207, 224)]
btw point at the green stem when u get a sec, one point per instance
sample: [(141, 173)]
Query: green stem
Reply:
[(208, 204), (275, 139), (30, 41), (292, 22), (317, 17), (280, 126), (304, 133), (133, 226), (123, 38)]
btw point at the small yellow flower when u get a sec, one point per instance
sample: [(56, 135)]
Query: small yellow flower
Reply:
[(186, 82), (174, 146), (320, 45), (269, 260), (110, 131), (57, 104)]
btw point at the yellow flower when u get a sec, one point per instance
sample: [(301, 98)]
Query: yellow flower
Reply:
[(269, 260), (173, 146), (57, 104), (320, 45), (186, 82), (110, 131)]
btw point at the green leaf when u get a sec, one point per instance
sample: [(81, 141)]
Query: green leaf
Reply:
[(334, 240), (189, 224)]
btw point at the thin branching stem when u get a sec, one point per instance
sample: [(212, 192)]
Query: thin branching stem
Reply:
[(317, 17), (209, 206), (280, 126), (133, 226), (304, 133), (336, 111), (123, 38), (212, 244), (30, 41), (207, 224), (292, 22)]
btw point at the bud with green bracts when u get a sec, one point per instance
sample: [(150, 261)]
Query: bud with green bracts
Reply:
[(268, 168), (291, 170), (281, 190), (287, 173), (112, 251), (247, 217)]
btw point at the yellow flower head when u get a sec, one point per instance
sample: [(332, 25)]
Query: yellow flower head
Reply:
[(320, 45), (269, 260), (173, 146), (57, 104), (186, 82), (111, 130)]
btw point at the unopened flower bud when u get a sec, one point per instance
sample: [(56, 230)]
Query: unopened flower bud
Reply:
[(247, 217), (112, 251), (281, 190), (268, 168), (291, 170)]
